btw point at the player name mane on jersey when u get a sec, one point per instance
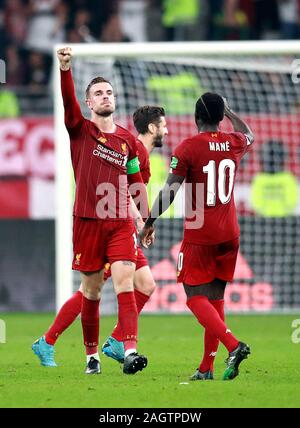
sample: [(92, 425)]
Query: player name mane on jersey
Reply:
[(219, 147)]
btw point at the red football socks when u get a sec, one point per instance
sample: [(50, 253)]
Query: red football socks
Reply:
[(141, 299), (65, 317), (211, 342), (209, 318), (128, 319), (90, 324)]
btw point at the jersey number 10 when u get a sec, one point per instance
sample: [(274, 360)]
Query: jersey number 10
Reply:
[(210, 170)]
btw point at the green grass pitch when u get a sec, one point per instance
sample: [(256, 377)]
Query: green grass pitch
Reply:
[(173, 345)]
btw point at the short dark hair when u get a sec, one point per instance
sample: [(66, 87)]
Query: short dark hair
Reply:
[(145, 115), (209, 108), (98, 79)]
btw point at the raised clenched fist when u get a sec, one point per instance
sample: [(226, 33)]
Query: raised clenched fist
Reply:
[(64, 56)]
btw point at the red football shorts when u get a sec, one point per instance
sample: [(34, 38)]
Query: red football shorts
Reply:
[(141, 261), (96, 242), (201, 264)]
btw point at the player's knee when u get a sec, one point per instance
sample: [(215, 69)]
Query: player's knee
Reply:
[(124, 287), (81, 289), (146, 287), (91, 294), (123, 284), (91, 290)]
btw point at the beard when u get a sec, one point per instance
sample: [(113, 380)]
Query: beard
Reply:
[(158, 141), (105, 112)]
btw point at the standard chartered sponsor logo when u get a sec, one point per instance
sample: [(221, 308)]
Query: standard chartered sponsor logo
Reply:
[(109, 151), (110, 155)]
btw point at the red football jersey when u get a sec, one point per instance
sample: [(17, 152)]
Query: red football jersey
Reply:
[(211, 158), (143, 156), (99, 161)]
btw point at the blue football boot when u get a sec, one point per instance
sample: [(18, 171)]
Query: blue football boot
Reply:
[(114, 349), (44, 352)]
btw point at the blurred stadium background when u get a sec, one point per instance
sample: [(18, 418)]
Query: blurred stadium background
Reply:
[(260, 88)]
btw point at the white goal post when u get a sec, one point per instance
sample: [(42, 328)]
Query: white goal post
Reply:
[(185, 53)]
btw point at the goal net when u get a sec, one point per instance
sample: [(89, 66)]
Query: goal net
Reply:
[(261, 83)]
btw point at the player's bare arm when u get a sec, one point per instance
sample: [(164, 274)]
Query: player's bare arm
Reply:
[(136, 178), (136, 215), (164, 199), (238, 124), (64, 56), (139, 222)]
